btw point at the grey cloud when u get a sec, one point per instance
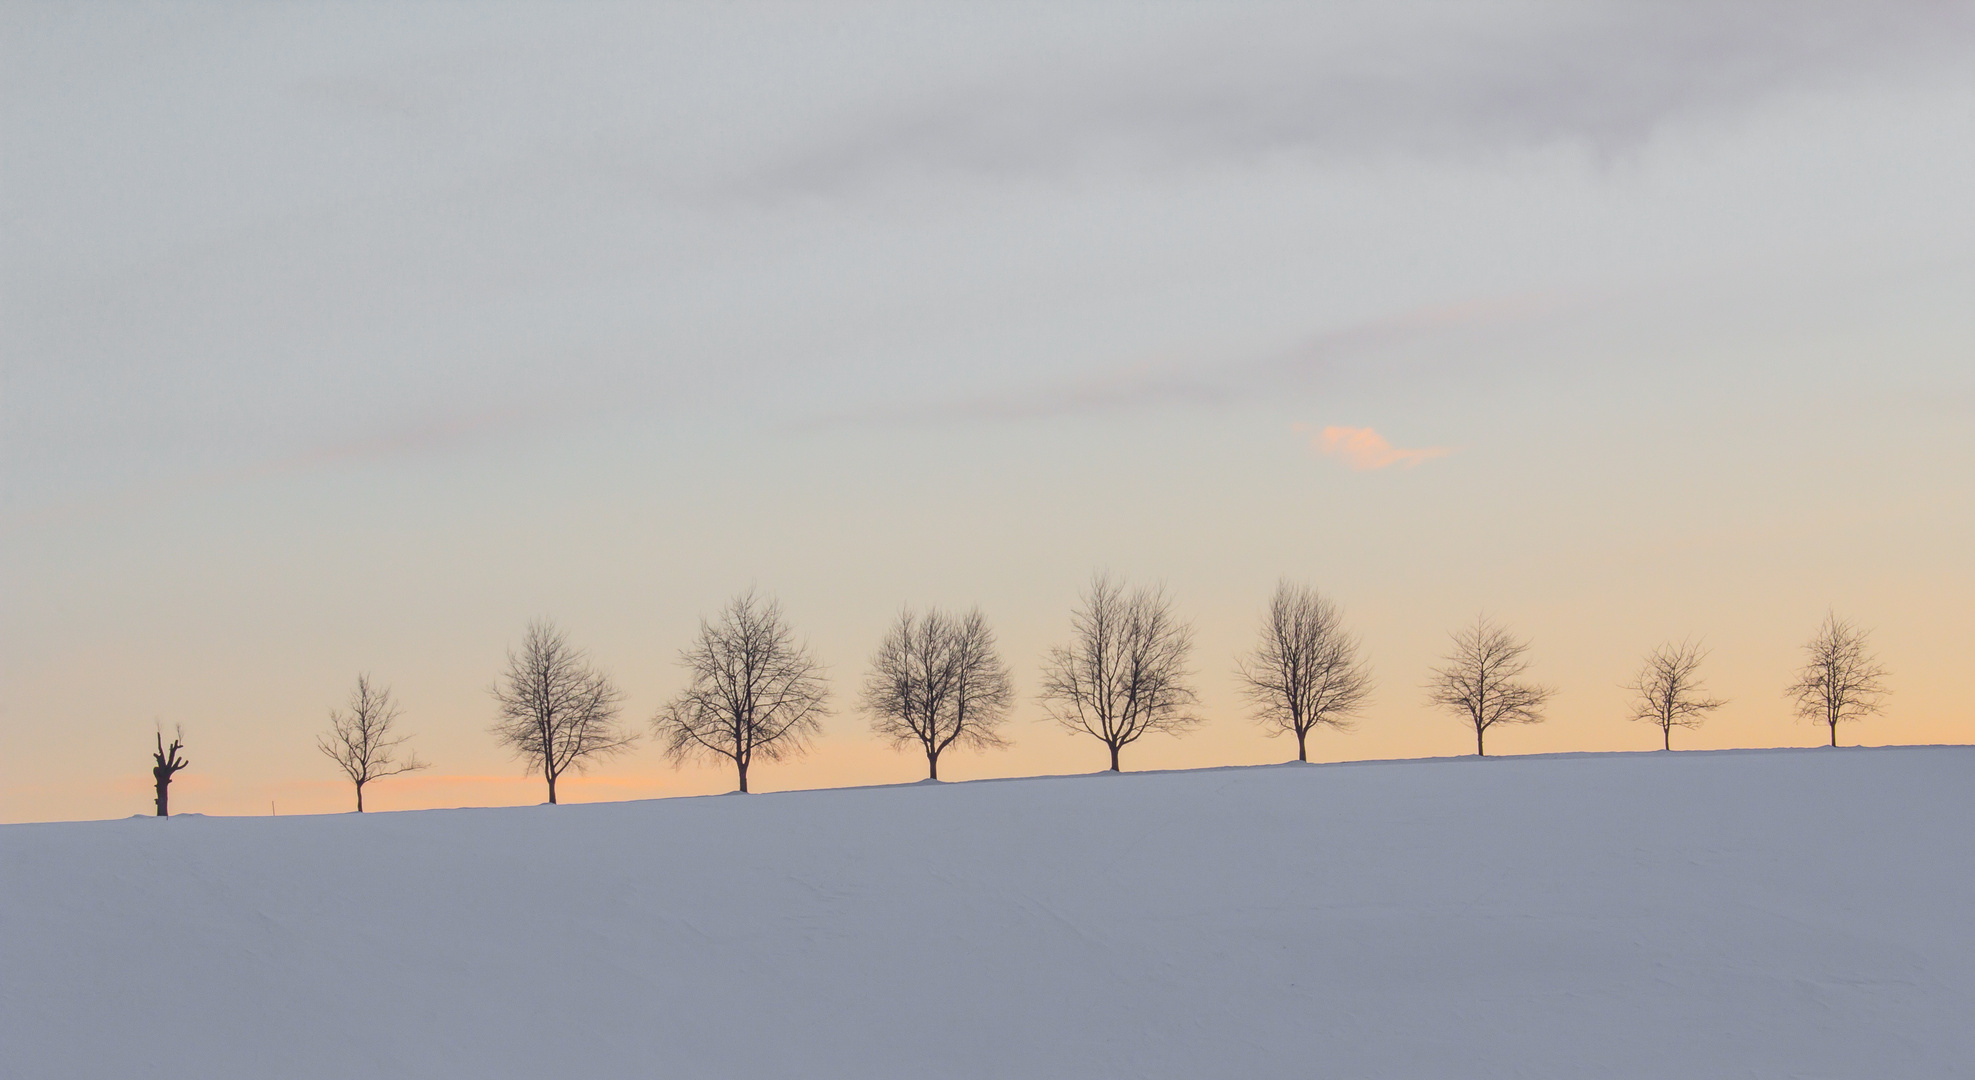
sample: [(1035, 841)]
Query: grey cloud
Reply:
[(1453, 79), (1329, 359)]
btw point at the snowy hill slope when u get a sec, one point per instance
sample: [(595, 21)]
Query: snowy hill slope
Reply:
[(1750, 914)]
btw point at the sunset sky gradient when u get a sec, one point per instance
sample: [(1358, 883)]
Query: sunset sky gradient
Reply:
[(350, 338)]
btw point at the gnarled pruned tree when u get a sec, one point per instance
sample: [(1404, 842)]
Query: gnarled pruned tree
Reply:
[(1841, 681), (362, 743), (1668, 692), (169, 761), (754, 692), (937, 681), (1124, 674), (1481, 682), (556, 711), (1305, 672)]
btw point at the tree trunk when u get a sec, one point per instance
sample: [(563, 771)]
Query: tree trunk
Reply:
[(1666, 738), (932, 765), (741, 766), (359, 798), (1478, 750), (1301, 754), (1114, 759), (1834, 733), (551, 777), (164, 787)]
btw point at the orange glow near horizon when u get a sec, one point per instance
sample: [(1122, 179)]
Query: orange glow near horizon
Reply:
[(846, 760)]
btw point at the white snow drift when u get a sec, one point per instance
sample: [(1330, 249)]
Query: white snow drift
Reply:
[(1748, 914)]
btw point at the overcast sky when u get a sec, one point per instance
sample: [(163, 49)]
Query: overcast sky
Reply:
[(350, 337)]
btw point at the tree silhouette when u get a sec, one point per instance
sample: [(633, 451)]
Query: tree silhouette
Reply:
[(1123, 675), (1668, 692), (754, 691), (1481, 681), (1840, 680), (1305, 671), (361, 741), (937, 681), (556, 711), (169, 761)]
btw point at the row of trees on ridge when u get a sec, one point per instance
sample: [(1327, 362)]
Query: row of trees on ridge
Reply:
[(937, 681)]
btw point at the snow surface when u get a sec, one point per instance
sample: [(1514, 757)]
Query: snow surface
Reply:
[(1732, 914)]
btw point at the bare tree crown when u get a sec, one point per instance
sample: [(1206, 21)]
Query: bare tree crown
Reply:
[(1306, 671), (1668, 691), (1124, 674), (938, 681), (363, 741), (753, 691), (1841, 680), (1482, 684), (555, 710)]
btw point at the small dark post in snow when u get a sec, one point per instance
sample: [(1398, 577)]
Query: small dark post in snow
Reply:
[(169, 762)]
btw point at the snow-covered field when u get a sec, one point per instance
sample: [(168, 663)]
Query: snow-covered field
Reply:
[(1800, 913)]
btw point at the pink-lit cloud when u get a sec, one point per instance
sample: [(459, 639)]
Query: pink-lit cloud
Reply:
[(1364, 448)]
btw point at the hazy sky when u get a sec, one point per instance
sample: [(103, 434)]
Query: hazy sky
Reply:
[(348, 337)]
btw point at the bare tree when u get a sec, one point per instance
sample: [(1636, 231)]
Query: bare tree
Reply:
[(556, 711), (1841, 681), (1481, 682), (1305, 672), (1124, 674), (362, 742), (937, 681), (754, 692), (169, 761), (1668, 691)]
